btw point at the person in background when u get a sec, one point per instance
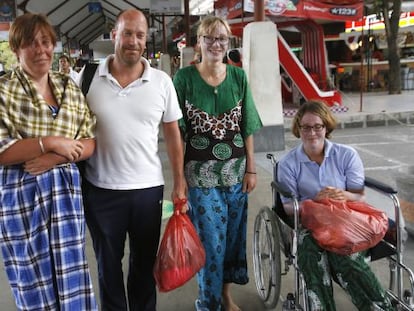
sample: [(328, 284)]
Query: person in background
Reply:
[(219, 121), (123, 190), (234, 57), (316, 169), (65, 67), (45, 126)]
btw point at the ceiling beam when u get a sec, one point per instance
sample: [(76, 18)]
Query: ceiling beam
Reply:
[(95, 32), (57, 8), (133, 5), (113, 5), (22, 6), (84, 29), (72, 15), (86, 19), (92, 38), (110, 12)]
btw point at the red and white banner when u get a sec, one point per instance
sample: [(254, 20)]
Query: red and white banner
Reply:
[(228, 9), (338, 10)]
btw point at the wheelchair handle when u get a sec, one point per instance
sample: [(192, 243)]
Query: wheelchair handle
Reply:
[(271, 157)]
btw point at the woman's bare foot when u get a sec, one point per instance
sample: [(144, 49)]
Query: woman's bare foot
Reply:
[(228, 302)]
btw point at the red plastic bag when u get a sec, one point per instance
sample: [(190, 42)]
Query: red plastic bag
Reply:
[(181, 254), (344, 227)]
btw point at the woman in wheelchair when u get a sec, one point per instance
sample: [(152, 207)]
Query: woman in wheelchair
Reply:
[(319, 168)]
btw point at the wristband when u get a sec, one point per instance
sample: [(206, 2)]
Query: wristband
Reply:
[(253, 173)]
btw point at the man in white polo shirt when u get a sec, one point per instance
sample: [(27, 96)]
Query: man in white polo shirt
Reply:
[(124, 185), (65, 67)]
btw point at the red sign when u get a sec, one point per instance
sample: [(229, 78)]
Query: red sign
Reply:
[(338, 10), (336, 2), (373, 22), (228, 8), (318, 10)]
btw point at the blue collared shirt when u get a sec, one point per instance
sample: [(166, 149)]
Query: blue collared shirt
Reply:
[(341, 168)]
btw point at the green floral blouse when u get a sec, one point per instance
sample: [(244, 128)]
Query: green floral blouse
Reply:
[(215, 123)]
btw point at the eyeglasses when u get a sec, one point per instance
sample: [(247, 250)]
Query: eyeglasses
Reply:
[(315, 128), (221, 40)]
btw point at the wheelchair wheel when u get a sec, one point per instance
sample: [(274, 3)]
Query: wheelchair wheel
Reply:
[(266, 257)]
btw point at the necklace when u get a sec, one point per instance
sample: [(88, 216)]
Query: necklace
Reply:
[(210, 78), (214, 75), (216, 79), (217, 76)]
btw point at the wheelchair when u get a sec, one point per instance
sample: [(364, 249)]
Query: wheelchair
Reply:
[(276, 234)]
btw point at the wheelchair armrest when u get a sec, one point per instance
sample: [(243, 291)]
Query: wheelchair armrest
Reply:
[(379, 186), (381, 250), (276, 186)]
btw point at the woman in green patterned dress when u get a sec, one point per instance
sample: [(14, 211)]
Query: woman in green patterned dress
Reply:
[(219, 121)]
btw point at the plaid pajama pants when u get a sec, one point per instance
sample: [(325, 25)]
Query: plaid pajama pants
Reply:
[(42, 236)]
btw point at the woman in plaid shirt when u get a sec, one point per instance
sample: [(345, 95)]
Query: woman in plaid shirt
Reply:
[(45, 126)]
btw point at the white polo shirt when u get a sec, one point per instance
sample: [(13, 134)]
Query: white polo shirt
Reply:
[(128, 119), (74, 75)]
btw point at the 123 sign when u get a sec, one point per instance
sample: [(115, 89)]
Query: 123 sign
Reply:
[(343, 11)]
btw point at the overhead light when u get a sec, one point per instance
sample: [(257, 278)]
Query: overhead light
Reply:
[(353, 46)]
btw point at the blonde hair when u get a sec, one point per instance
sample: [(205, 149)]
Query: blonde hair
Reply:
[(319, 109), (209, 23)]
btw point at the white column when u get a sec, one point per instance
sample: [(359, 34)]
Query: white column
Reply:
[(187, 55), (165, 63), (261, 63)]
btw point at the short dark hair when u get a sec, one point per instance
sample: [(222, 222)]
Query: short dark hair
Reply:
[(24, 28), (319, 109), (64, 56)]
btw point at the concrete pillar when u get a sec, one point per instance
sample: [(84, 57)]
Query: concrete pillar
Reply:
[(165, 63), (261, 63), (187, 55), (259, 11)]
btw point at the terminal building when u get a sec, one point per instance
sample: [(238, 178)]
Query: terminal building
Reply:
[(306, 49)]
